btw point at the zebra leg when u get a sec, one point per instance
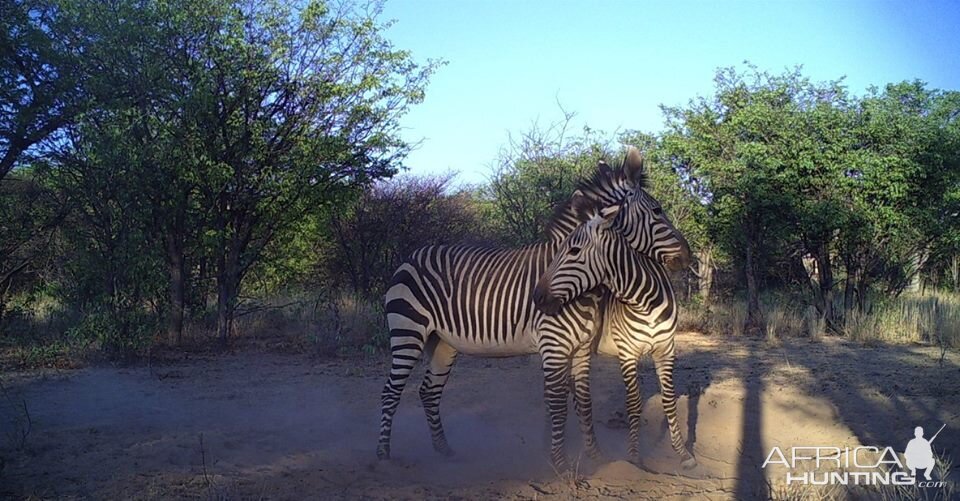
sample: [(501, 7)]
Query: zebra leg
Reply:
[(664, 364), (628, 368), (436, 376), (406, 346), (556, 376), (580, 371)]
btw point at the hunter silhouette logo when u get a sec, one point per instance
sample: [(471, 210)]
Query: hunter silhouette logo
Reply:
[(862, 465), (919, 453)]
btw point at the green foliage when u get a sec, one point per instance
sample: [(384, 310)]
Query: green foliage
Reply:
[(200, 141), (122, 332), (29, 214), (372, 235), (162, 157), (535, 173), (676, 194), (40, 75), (787, 168)]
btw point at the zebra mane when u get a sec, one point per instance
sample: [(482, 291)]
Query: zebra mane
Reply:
[(607, 186)]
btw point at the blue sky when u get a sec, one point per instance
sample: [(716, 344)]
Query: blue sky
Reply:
[(614, 62)]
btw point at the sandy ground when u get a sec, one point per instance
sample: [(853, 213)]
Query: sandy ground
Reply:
[(256, 425)]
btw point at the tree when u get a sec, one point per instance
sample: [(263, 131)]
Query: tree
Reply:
[(738, 146), (793, 170), (903, 176), (40, 92), (538, 171), (236, 121), (29, 214), (41, 76), (288, 108), (392, 219)]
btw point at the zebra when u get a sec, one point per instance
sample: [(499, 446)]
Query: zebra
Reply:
[(640, 321), (451, 299)]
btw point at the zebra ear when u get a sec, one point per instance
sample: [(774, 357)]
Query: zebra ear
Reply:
[(584, 208), (633, 165), (603, 167)]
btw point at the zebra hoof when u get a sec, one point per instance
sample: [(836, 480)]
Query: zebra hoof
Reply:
[(383, 452), (689, 463), (594, 453), (574, 480)]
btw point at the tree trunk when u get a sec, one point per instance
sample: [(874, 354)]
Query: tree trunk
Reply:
[(825, 285), (173, 225), (849, 289), (863, 282), (705, 273), (754, 324), (917, 261), (228, 288), (201, 297), (178, 288), (225, 302), (955, 272)]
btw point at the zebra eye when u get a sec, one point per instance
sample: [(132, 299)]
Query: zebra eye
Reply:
[(574, 251), (658, 211)]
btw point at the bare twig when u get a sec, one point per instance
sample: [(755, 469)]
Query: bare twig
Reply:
[(203, 462), (29, 424)]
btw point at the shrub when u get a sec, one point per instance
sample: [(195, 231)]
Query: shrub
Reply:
[(392, 219), (122, 333)]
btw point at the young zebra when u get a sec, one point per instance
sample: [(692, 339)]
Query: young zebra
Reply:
[(640, 321), (479, 301)]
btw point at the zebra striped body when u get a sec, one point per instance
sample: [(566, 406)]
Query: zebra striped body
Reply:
[(640, 319), (475, 299), (480, 301)]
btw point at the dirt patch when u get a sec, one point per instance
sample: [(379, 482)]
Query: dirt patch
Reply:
[(290, 427)]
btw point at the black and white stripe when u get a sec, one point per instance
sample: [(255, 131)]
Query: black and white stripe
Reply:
[(640, 321), (479, 301)]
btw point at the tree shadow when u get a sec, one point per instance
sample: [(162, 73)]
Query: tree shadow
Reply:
[(699, 368), (749, 475), (882, 393), (879, 393)]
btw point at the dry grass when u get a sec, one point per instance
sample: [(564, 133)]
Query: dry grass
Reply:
[(725, 319), (326, 323), (784, 321), (815, 326), (933, 318), (331, 324)]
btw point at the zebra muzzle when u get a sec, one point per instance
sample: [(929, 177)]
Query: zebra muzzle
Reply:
[(546, 302), (677, 263)]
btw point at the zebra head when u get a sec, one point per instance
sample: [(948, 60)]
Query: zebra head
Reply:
[(643, 222), (580, 263)]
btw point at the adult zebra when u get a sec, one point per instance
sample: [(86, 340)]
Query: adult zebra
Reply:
[(641, 321), (479, 301)]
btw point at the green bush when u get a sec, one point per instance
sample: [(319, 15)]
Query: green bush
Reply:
[(121, 334)]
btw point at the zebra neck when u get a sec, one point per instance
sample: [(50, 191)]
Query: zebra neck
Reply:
[(562, 226), (633, 232), (640, 282)]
